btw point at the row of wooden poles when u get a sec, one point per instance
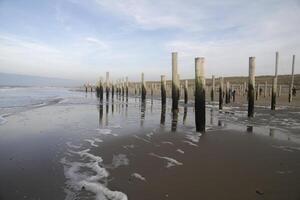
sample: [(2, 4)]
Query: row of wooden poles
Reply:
[(199, 90)]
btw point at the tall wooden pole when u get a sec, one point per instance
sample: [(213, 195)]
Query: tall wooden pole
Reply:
[(212, 95), (107, 85), (251, 85), (221, 93), (112, 90), (126, 88), (292, 81), (199, 94), (227, 95), (175, 82), (101, 89), (186, 96), (274, 88), (163, 90), (143, 88)]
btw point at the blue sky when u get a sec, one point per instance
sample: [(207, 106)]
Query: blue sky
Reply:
[(82, 39)]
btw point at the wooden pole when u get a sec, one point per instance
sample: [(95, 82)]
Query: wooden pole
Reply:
[(186, 96), (199, 94), (266, 88), (279, 90), (257, 92), (143, 88), (126, 88), (101, 89), (292, 81), (221, 93), (251, 85), (107, 85), (163, 90), (112, 90), (212, 95), (227, 95), (175, 82), (274, 88)]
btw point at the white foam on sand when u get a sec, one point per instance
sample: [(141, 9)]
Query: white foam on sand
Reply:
[(104, 131), (119, 160), (92, 142), (70, 145), (138, 176), (167, 142), (194, 137), (190, 143), (180, 151), (149, 135), (2, 120), (78, 175), (130, 146), (140, 138), (170, 161)]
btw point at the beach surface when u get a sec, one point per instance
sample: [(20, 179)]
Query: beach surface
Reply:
[(67, 144)]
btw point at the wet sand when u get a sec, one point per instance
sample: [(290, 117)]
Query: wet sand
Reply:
[(117, 150)]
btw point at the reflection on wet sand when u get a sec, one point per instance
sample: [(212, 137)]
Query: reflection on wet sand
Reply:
[(143, 111), (163, 115), (184, 115), (174, 120)]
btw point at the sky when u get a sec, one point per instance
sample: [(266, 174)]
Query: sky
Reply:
[(82, 39)]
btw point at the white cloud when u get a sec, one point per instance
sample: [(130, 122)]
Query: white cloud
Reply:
[(95, 41)]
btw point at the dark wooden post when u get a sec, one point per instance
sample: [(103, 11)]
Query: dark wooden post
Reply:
[(199, 94), (251, 85), (163, 90), (126, 88), (186, 96), (144, 91), (175, 82), (101, 89), (112, 90), (274, 88), (292, 81), (212, 95), (221, 93), (107, 85), (227, 93), (266, 88)]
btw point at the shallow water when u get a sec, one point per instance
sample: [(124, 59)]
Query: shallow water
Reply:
[(81, 148)]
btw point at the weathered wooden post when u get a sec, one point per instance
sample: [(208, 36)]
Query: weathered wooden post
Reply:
[(163, 90), (274, 88), (86, 88), (101, 89), (245, 88), (91, 88), (175, 82), (212, 95), (107, 85), (126, 88), (292, 81), (227, 95), (221, 93), (279, 90), (257, 92), (112, 90), (199, 94), (144, 92), (186, 91), (251, 85), (266, 88), (151, 90), (123, 88)]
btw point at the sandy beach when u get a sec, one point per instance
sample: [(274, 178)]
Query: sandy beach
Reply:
[(80, 148)]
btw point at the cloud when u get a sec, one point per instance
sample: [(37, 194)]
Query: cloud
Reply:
[(95, 41)]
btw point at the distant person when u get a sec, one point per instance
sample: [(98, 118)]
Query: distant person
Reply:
[(294, 91)]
